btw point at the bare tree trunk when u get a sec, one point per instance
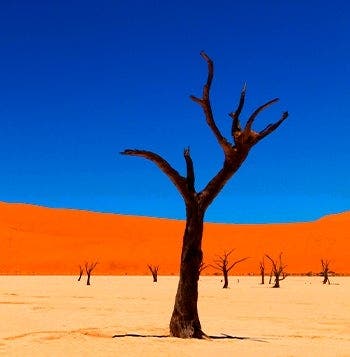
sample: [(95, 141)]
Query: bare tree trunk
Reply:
[(225, 279), (80, 273), (262, 271), (277, 282), (184, 321), (326, 279), (88, 279)]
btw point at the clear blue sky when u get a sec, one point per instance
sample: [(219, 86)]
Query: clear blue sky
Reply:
[(82, 80)]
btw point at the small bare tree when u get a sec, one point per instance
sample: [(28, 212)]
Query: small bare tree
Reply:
[(262, 270), (154, 270), (325, 271), (81, 271), (223, 264), (277, 270), (89, 267)]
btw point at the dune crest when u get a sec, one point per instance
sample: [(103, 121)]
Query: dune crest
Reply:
[(40, 240)]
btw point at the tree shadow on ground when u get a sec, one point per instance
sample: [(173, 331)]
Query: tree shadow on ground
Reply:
[(221, 337)]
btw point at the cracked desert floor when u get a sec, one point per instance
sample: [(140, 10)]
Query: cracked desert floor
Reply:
[(59, 316)]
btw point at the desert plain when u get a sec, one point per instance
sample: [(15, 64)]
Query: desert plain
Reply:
[(45, 311), (57, 315)]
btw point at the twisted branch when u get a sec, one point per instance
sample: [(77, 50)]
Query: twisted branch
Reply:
[(204, 102), (179, 181)]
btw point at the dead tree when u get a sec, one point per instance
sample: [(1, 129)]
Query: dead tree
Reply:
[(89, 267), (262, 271), (222, 264), (81, 271), (325, 271), (154, 270), (277, 270), (184, 321)]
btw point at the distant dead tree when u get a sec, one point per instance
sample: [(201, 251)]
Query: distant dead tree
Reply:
[(262, 270), (277, 270), (154, 270), (325, 271), (81, 271), (184, 322), (223, 264), (89, 267)]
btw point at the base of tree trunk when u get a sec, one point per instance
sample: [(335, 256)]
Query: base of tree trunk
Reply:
[(185, 329)]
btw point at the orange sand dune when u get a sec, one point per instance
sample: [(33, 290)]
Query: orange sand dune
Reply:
[(39, 240)]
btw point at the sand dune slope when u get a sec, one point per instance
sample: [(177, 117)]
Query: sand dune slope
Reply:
[(39, 240)]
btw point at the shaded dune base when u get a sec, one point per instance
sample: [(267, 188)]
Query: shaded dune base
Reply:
[(39, 240)]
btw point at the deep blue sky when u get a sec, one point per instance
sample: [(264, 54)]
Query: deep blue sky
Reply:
[(82, 80)]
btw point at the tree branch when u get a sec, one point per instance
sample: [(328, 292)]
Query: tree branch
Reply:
[(236, 125), (251, 119), (204, 102), (190, 178), (178, 180), (235, 263), (272, 127), (274, 268)]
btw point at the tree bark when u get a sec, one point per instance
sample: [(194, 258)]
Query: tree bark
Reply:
[(277, 282), (225, 279), (184, 321), (326, 279)]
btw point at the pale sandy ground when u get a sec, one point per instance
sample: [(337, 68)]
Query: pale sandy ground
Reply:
[(57, 316)]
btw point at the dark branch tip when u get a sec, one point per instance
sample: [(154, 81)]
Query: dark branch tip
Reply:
[(205, 56), (285, 115)]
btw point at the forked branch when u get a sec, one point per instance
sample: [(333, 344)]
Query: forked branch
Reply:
[(236, 125)]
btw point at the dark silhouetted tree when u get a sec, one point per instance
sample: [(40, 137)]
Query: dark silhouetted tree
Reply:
[(262, 271), (81, 271), (325, 271), (154, 271), (184, 321), (89, 267), (223, 264), (277, 270)]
